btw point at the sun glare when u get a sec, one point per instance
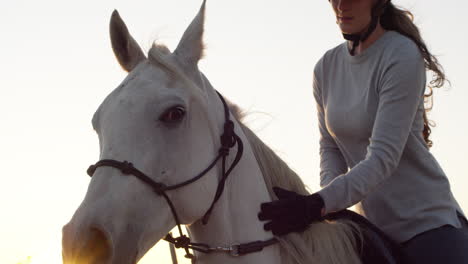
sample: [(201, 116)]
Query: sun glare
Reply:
[(45, 258), (50, 252), (26, 261)]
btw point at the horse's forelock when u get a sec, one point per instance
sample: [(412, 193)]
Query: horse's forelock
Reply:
[(158, 56)]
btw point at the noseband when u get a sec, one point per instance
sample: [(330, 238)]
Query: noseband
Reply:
[(228, 140)]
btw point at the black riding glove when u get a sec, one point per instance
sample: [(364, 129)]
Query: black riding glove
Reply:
[(292, 212)]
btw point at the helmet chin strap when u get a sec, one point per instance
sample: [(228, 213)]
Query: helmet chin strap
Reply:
[(377, 12), (361, 37)]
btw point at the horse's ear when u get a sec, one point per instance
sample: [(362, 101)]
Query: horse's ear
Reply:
[(190, 48), (126, 49)]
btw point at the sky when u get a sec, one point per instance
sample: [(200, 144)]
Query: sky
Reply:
[(57, 66)]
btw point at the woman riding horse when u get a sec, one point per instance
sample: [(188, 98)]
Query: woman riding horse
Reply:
[(372, 119)]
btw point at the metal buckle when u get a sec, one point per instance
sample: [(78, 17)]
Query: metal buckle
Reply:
[(234, 250)]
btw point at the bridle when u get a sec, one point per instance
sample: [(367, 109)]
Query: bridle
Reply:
[(228, 140)]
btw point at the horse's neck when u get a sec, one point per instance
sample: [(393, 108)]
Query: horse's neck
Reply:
[(234, 219)]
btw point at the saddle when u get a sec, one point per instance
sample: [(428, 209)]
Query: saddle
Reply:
[(375, 247)]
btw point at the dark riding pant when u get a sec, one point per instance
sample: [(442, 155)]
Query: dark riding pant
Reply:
[(443, 245)]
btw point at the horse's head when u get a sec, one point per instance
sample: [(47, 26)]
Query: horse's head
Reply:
[(159, 119)]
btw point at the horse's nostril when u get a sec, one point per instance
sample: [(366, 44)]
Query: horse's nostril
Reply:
[(97, 248)]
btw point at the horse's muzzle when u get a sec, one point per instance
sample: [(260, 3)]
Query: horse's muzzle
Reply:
[(87, 246)]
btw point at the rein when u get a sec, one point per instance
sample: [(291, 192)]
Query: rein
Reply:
[(228, 140)]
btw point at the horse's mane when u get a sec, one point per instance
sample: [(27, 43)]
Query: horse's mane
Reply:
[(324, 242)]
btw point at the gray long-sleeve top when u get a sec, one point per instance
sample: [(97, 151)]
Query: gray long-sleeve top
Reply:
[(370, 110)]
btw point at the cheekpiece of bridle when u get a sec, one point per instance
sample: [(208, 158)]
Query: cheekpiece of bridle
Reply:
[(228, 140)]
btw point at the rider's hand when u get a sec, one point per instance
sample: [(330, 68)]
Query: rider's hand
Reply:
[(292, 212)]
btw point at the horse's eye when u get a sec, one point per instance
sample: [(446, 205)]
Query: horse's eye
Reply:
[(172, 115)]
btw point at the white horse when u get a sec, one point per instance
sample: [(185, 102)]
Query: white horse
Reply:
[(167, 119)]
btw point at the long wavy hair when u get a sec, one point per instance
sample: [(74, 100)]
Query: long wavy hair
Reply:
[(401, 20)]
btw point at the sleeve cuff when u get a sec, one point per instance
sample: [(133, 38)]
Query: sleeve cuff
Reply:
[(330, 205)]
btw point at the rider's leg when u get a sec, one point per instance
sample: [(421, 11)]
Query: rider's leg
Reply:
[(443, 245)]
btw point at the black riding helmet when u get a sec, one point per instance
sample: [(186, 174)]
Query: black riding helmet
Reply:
[(376, 13)]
